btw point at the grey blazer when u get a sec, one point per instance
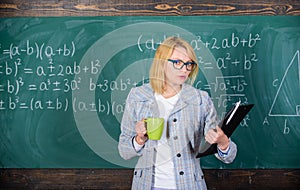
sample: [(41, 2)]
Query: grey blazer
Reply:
[(193, 115)]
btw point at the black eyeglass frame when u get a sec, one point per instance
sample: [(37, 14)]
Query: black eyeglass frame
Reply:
[(184, 64)]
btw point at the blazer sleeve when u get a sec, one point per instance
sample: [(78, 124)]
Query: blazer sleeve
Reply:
[(211, 122), (231, 154), (125, 146)]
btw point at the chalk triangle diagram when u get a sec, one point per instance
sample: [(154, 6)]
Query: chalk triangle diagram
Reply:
[(287, 100)]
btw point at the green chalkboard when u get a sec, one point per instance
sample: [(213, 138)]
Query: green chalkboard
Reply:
[(64, 80)]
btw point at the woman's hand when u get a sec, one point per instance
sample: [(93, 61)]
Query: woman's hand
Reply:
[(140, 129), (217, 136)]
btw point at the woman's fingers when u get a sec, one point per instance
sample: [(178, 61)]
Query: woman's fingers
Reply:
[(140, 128)]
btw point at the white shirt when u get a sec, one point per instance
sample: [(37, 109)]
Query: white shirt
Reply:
[(164, 175)]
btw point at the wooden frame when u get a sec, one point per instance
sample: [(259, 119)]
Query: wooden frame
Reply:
[(121, 178), (21, 8)]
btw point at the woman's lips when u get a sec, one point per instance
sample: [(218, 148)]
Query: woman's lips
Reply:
[(182, 77)]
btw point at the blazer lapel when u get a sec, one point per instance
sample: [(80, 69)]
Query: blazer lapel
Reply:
[(187, 97)]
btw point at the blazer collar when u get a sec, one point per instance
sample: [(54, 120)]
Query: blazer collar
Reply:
[(188, 94)]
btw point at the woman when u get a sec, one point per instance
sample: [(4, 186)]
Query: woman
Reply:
[(190, 116)]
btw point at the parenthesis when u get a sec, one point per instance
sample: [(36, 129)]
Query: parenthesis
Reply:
[(16, 64), (31, 104), (113, 108), (73, 52), (67, 103), (10, 50), (18, 87), (108, 108), (37, 50), (139, 40), (73, 105), (41, 51)]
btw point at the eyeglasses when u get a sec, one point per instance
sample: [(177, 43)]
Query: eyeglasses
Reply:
[(178, 64)]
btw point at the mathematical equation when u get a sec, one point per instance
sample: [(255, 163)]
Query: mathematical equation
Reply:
[(62, 104), (39, 51), (234, 41), (46, 75)]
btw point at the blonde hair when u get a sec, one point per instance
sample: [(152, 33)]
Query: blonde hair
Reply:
[(163, 53)]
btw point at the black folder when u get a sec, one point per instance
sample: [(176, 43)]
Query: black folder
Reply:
[(228, 127)]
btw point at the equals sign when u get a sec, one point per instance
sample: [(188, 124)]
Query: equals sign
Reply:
[(208, 65), (28, 71), (23, 106), (32, 87), (1, 88), (207, 87)]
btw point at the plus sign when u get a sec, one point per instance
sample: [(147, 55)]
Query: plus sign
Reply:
[(49, 102), (56, 83), (100, 85), (207, 44), (244, 42), (85, 69), (51, 67), (1, 104), (235, 62), (59, 51)]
